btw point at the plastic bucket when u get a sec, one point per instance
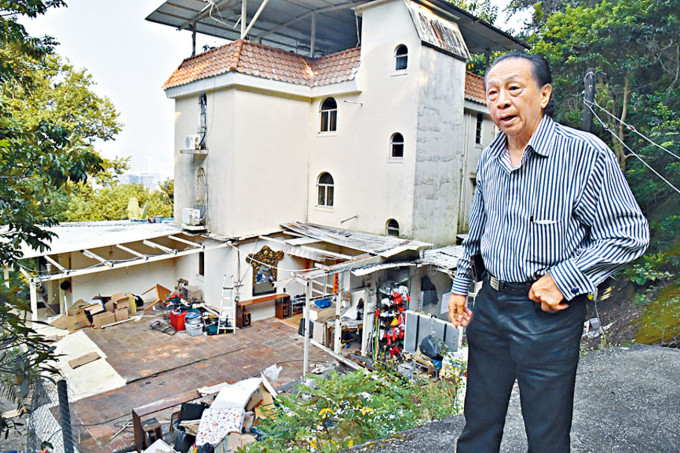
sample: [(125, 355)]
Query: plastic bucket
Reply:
[(194, 327), (177, 319)]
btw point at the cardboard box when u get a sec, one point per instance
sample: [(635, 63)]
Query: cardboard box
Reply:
[(121, 314), (109, 306), (77, 307), (319, 332), (121, 304), (93, 309), (103, 319)]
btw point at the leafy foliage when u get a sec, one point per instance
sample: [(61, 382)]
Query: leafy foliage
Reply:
[(49, 120), (484, 9), (342, 410), (110, 202)]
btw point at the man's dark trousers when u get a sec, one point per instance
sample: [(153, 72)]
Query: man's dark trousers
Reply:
[(510, 337)]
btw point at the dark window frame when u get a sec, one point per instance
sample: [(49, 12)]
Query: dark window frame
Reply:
[(325, 190), (328, 115), (392, 228), (401, 58), (397, 145)]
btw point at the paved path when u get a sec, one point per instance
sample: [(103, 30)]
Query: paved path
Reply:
[(627, 401), (156, 366)]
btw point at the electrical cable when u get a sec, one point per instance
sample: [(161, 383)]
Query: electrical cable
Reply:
[(606, 127)]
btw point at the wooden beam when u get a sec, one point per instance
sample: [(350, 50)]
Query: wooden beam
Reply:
[(93, 255), (132, 252), (55, 263), (186, 241), (146, 259), (159, 247)]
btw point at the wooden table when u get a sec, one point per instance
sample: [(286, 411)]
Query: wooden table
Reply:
[(242, 312), (166, 403)]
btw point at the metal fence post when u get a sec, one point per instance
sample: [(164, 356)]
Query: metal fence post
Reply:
[(65, 416)]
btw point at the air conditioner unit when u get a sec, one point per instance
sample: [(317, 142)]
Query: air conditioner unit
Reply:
[(191, 216), (192, 142)]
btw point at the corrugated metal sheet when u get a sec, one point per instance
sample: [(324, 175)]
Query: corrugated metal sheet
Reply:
[(445, 258), (384, 246), (365, 270), (437, 31)]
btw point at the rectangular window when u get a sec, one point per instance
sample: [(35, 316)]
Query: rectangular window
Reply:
[(478, 132), (201, 263)]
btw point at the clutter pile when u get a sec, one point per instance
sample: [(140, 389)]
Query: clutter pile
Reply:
[(228, 422), (183, 310), (390, 320)]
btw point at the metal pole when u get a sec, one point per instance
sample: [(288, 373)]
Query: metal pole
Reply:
[(589, 97), (193, 39), (65, 416), (313, 37), (308, 296), (244, 17)]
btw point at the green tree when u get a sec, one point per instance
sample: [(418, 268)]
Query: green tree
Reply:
[(111, 202), (40, 151), (484, 9)]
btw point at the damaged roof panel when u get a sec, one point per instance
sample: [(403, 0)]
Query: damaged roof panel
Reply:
[(437, 31), (375, 244)]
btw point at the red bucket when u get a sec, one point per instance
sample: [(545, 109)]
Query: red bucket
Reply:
[(177, 319)]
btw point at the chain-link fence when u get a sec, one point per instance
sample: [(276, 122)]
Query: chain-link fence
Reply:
[(49, 427)]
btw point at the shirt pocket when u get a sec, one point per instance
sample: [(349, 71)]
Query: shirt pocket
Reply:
[(547, 237)]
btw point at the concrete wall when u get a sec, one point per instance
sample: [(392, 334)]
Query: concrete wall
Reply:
[(440, 145), (218, 165), (133, 279), (369, 183), (472, 153)]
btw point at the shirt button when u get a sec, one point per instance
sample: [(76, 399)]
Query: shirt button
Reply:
[(574, 290)]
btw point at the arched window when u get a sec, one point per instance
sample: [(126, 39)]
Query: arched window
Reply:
[(392, 228), (401, 57), (325, 189), (329, 115), (397, 145)]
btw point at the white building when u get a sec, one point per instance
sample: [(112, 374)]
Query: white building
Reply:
[(379, 138), (286, 162)]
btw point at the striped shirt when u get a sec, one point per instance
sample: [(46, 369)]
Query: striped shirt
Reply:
[(566, 209)]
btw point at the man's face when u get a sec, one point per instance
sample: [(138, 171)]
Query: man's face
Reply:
[(514, 100)]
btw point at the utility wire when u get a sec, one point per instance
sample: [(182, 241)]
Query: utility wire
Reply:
[(628, 126), (606, 127)]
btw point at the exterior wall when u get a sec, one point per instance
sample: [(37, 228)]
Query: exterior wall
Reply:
[(269, 172), (369, 184), (440, 147), (134, 279), (473, 151), (218, 164)]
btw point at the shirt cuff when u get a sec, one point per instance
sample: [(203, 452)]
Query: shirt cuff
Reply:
[(460, 286), (570, 280)]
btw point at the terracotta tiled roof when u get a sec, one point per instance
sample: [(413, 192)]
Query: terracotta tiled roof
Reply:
[(474, 88), (258, 60)]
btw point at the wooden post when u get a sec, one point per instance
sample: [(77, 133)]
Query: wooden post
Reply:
[(589, 97)]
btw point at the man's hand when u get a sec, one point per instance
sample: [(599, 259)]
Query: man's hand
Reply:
[(459, 313), (545, 292)]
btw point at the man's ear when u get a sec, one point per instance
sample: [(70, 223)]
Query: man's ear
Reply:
[(545, 92)]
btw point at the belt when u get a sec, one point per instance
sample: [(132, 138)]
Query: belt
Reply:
[(512, 288)]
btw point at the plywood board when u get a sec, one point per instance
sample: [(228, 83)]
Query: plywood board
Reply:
[(83, 360)]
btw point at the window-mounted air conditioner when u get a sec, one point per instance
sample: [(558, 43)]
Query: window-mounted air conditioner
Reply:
[(191, 216), (192, 142)]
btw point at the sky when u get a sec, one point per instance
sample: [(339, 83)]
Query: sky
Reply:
[(130, 59)]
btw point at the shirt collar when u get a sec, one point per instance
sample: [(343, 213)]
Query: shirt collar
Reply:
[(541, 141)]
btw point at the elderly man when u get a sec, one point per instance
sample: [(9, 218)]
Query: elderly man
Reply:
[(552, 217)]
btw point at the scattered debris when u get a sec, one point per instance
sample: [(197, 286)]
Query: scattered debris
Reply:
[(84, 360), (163, 327)]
